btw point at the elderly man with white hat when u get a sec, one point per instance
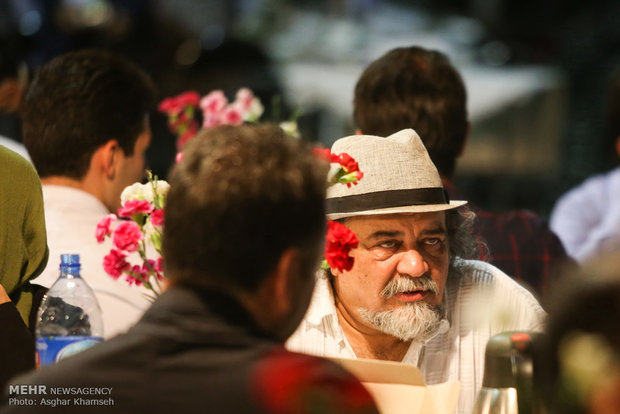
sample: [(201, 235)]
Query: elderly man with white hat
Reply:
[(411, 295)]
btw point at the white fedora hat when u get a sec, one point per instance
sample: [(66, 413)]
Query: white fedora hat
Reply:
[(399, 177)]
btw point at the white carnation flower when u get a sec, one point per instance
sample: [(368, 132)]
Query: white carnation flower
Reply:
[(290, 128), (162, 187), (137, 191), (255, 111)]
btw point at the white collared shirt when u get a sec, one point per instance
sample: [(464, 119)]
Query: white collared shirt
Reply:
[(71, 217), (479, 303), (587, 218)]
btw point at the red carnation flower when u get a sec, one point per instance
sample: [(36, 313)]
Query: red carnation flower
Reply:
[(287, 383), (174, 105), (132, 207), (348, 162), (114, 263), (104, 227), (136, 276), (127, 236), (157, 217), (340, 241)]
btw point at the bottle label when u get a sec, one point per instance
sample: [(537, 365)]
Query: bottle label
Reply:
[(52, 349)]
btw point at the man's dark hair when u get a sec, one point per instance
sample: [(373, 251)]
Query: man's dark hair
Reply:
[(239, 198), (79, 101), (415, 88)]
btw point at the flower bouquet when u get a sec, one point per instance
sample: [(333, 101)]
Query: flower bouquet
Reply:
[(136, 230), (216, 110), (137, 227)]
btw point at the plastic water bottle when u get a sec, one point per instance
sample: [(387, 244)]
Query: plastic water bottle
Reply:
[(507, 384), (69, 318)]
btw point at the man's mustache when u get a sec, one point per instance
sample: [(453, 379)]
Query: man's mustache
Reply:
[(404, 284)]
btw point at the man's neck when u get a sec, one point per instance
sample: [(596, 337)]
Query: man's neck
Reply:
[(85, 185), (64, 181), (371, 344)]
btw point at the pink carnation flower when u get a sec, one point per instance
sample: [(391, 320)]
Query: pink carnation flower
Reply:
[(139, 274), (157, 217), (114, 263), (133, 277), (152, 266), (156, 266), (244, 99), (104, 227), (213, 103), (127, 236), (232, 116), (132, 207)]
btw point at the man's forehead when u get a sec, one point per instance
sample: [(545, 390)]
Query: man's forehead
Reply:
[(435, 220)]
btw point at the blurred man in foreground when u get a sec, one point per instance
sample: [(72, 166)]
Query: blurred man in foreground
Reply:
[(245, 222), (577, 366)]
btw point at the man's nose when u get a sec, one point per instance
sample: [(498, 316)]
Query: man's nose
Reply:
[(412, 263)]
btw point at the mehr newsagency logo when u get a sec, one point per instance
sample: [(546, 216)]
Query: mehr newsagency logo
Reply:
[(42, 395)]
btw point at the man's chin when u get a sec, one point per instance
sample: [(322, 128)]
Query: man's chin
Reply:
[(417, 321)]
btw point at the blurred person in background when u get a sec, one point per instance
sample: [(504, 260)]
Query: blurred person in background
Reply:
[(23, 256), (85, 125), (12, 84), (577, 365), (245, 223), (587, 218), (412, 87)]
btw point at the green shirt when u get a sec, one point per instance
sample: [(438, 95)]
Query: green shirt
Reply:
[(23, 242)]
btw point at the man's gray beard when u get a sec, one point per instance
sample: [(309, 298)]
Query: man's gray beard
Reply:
[(417, 321)]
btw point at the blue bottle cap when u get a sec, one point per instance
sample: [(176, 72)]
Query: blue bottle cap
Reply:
[(70, 260), (70, 263)]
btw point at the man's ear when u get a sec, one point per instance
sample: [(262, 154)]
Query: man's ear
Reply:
[(282, 281), (358, 131), (335, 272), (167, 283), (106, 158)]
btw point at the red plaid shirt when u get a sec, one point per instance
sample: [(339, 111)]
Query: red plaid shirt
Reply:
[(521, 244)]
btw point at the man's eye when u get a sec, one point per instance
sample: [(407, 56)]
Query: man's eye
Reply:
[(389, 244), (432, 242)]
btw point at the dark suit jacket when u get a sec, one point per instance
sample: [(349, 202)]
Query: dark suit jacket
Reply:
[(191, 352), (16, 344)]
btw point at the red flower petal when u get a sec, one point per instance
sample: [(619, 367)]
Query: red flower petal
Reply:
[(340, 241), (132, 207)]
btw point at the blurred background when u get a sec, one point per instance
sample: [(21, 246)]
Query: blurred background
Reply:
[(536, 72)]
